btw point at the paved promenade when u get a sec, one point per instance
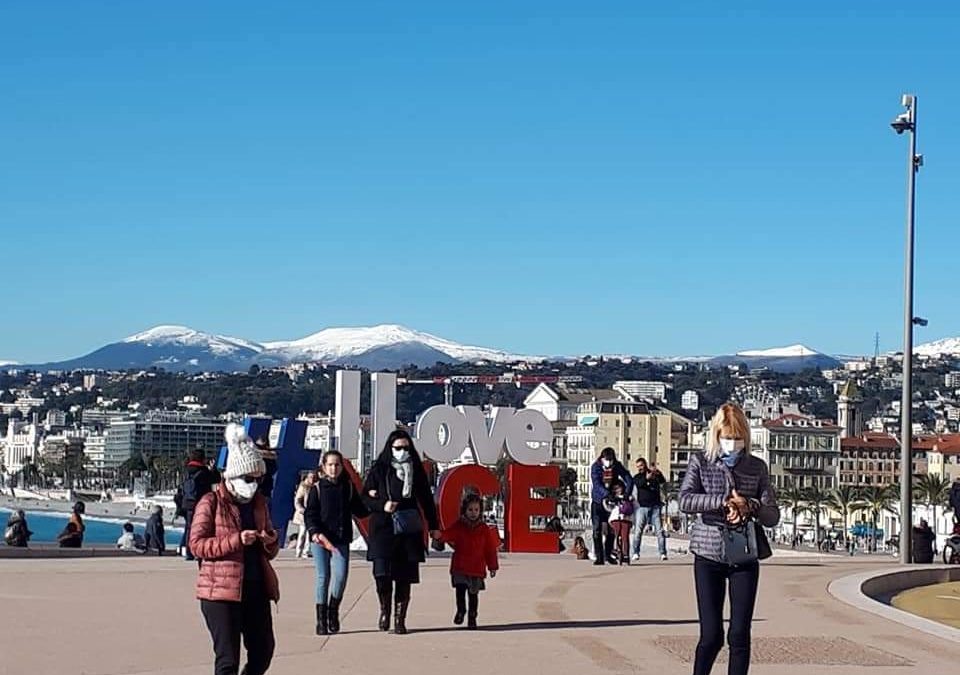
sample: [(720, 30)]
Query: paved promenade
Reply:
[(543, 614)]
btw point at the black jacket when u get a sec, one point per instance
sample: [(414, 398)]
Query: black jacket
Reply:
[(153, 534), (269, 477), (381, 541), (923, 540), (18, 532), (330, 510), (648, 489), (955, 498), (199, 480)]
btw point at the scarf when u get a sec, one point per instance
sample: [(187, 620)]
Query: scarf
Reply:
[(405, 474)]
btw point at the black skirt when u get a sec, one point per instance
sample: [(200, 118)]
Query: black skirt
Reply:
[(400, 567)]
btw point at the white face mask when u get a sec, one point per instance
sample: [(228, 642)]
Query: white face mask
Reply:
[(606, 463), (400, 455), (731, 445), (241, 489)]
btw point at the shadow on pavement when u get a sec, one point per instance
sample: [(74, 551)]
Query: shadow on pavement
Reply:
[(565, 625)]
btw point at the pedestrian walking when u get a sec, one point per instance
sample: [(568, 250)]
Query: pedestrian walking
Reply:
[(331, 505), (398, 496), (299, 506), (17, 532), (923, 543), (621, 510), (79, 527), (154, 536), (232, 535), (475, 545), (198, 481), (648, 485), (602, 473), (730, 491)]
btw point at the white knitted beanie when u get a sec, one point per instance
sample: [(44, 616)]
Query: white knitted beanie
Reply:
[(243, 458)]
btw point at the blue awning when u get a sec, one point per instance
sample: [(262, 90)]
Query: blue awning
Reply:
[(588, 420)]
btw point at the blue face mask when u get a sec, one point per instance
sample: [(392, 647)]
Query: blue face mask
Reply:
[(731, 459)]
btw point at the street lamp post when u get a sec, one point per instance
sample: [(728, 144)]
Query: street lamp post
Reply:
[(907, 121)]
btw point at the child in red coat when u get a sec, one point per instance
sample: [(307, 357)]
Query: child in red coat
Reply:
[(475, 546)]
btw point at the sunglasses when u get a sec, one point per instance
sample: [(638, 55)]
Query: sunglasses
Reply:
[(251, 479), (399, 447)]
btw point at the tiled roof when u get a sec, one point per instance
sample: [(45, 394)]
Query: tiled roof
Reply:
[(791, 421), (948, 444)]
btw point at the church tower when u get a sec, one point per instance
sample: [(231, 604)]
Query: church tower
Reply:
[(850, 411)]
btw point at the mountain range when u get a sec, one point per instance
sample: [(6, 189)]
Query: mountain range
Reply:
[(385, 347)]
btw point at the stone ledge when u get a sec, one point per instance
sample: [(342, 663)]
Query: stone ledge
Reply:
[(872, 592)]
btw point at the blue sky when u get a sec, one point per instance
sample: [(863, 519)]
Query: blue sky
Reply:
[(546, 177)]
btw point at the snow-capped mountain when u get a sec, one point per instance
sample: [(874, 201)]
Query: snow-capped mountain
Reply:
[(185, 349), (337, 344), (947, 346), (188, 337), (781, 359), (779, 352)]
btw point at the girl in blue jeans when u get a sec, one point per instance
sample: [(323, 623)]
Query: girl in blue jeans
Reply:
[(331, 506)]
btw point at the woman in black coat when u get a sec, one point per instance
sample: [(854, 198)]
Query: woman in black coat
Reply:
[(396, 491)]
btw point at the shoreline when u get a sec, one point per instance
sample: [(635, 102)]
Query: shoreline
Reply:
[(111, 512)]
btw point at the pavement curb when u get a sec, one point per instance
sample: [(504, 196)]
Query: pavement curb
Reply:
[(850, 590)]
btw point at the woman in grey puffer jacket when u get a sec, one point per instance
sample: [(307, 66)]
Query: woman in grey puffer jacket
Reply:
[(725, 486)]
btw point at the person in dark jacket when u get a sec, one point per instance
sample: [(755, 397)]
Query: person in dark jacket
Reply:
[(331, 504), (269, 456), (17, 533), (923, 543), (648, 483), (726, 487), (602, 474), (154, 536), (395, 491), (199, 480), (955, 499)]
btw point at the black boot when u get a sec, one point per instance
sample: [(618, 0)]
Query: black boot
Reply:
[(322, 628), (474, 599), (400, 617), (461, 606), (386, 599), (333, 615)]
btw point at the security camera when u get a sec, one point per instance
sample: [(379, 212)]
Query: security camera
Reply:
[(906, 100), (901, 123), (918, 321)]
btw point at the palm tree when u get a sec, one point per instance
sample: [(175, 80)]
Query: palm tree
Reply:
[(814, 502), (844, 499), (932, 490), (875, 500), (792, 497)]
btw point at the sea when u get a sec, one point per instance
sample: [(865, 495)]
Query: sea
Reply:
[(46, 527)]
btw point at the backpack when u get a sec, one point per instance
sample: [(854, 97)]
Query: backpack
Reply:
[(10, 534), (191, 491)]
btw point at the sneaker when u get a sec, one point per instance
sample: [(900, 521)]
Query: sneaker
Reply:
[(663, 557), (635, 557), (598, 561)]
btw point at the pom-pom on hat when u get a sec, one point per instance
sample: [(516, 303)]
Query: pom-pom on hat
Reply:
[(243, 458)]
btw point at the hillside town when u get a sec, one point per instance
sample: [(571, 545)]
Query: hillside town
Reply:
[(830, 437)]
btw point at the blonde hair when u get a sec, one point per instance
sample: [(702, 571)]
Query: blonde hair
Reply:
[(731, 421)]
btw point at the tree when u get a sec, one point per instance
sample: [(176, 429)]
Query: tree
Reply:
[(844, 499), (933, 491), (815, 500), (874, 500), (792, 497)]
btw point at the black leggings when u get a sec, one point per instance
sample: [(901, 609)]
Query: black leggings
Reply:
[(250, 619), (399, 590), (712, 579)]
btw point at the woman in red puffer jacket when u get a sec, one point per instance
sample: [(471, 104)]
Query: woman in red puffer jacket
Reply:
[(232, 535), (475, 545)]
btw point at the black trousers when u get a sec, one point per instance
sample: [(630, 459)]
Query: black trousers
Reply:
[(713, 579), (600, 516), (250, 619), (185, 539), (398, 590)]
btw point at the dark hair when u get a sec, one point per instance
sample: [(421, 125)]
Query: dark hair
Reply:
[(197, 455), (617, 483), (468, 499), (343, 473), (644, 460), (79, 507), (128, 527), (386, 455), (608, 453)]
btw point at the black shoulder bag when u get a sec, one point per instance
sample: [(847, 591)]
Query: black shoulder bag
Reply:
[(745, 542)]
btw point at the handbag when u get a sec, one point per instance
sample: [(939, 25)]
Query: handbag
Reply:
[(405, 521), (739, 543)]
